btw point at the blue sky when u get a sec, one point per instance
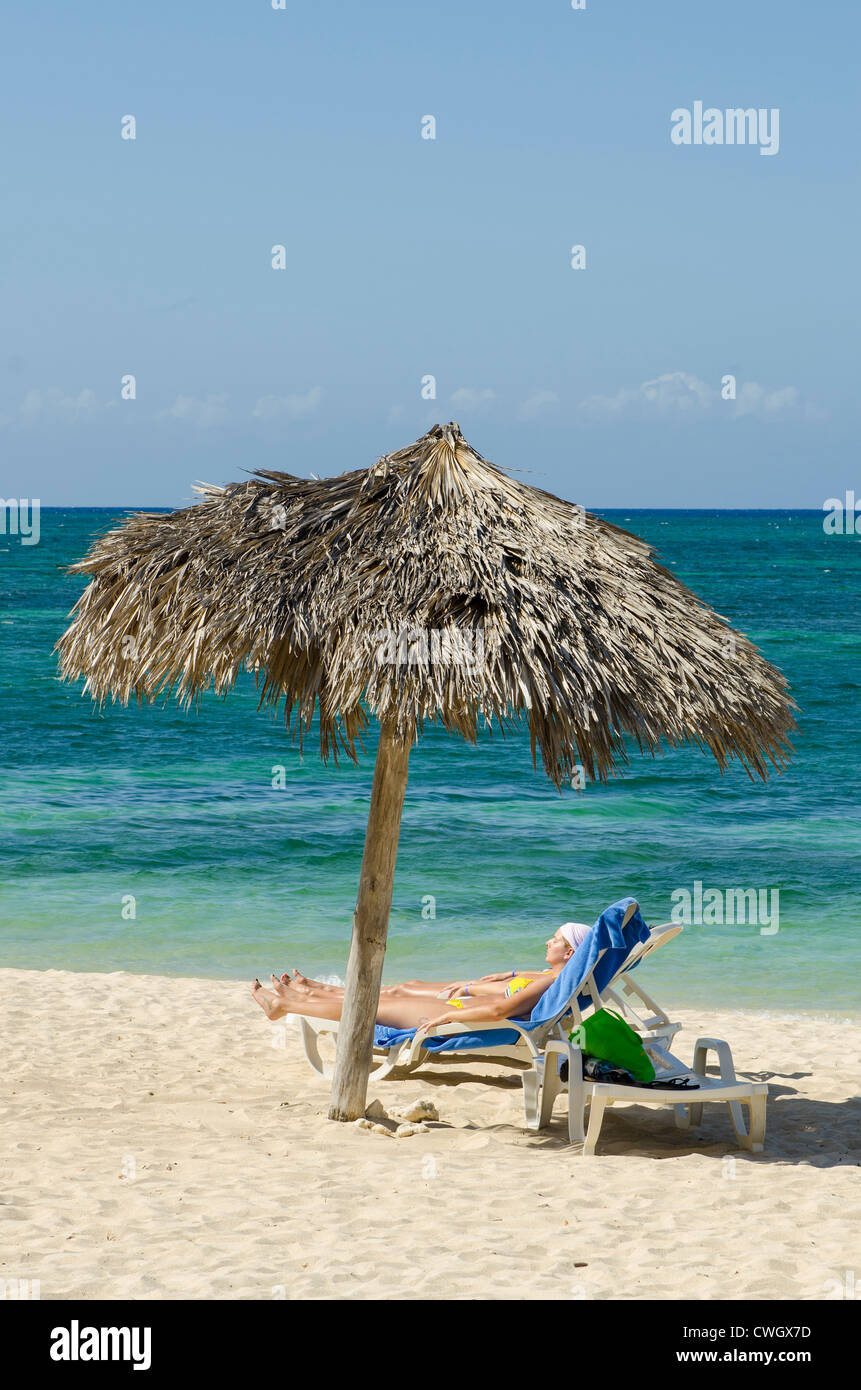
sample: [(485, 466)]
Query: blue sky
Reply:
[(408, 257)]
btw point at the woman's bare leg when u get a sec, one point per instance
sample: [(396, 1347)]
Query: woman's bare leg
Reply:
[(392, 1013), (400, 991), (422, 987)]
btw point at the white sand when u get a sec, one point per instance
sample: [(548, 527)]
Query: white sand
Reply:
[(155, 1144)]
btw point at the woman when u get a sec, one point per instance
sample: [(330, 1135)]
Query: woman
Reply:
[(412, 1005)]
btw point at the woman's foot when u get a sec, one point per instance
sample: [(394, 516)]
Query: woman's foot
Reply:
[(305, 985), (301, 983), (273, 1006)]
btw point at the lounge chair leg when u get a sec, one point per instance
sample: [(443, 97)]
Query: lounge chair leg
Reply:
[(556, 1052), (386, 1065), (753, 1138), (550, 1090), (380, 1066), (576, 1103), (757, 1123), (531, 1092), (596, 1119), (749, 1138), (312, 1051)]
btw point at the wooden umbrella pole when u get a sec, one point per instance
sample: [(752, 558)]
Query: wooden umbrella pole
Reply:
[(370, 926)]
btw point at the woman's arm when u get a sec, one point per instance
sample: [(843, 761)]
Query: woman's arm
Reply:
[(492, 1009), (493, 984), (474, 989), (453, 990)]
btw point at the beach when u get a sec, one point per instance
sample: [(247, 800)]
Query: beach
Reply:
[(161, 1140)]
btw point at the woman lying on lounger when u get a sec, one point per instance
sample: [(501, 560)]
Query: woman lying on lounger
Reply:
[(412, 1005)]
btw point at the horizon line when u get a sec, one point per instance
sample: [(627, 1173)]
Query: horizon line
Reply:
[(152, 507)]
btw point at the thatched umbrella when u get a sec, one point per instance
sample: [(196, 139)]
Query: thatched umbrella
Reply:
[(431, 586)]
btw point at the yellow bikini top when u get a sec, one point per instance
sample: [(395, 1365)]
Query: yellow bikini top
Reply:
[(517, 984), (520, 982)]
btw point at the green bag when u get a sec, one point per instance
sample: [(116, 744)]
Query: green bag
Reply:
[(607, 1036)]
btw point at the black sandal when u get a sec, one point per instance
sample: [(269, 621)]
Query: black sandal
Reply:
[(674, 1083)]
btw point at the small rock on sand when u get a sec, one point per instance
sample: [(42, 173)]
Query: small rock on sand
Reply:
[(417, 1111), (363, 1123)]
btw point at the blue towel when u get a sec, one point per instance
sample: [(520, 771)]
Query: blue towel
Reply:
[(606, 935)]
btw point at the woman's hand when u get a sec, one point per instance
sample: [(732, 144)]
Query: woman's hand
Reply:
[(506, 975), (453, 991), (454, 1016)]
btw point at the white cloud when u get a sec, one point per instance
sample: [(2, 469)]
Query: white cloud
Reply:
[(753, 399), (678, 391), (471, 398), (674, 392), (296, 407), (536, 403), (203, 413), (682, 393), (53, 404)]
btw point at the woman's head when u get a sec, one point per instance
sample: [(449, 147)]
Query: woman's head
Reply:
[(564, 942)]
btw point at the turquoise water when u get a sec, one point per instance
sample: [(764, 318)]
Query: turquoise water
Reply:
[(233, 877)]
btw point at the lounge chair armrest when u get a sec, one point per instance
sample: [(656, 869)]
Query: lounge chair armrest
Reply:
[(485, 1026), (447, 1030), (703, 1046), (569, 1052)]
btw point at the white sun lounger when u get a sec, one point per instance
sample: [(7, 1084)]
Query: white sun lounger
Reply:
[(542, 1082), (726, 1089), (619, 994), (543, 1048)]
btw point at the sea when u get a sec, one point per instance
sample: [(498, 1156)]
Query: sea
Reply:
[(166, 842)]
